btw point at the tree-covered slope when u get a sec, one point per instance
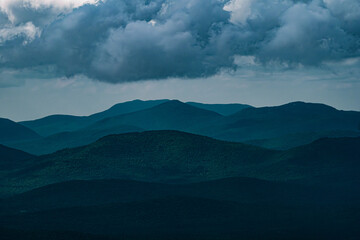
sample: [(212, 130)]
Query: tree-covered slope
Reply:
[(172, 156), (164, 156), (12, 158)]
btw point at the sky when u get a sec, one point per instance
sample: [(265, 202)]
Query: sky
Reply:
[(83, 56)]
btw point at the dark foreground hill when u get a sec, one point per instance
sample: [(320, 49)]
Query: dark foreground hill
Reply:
[(226, 209), (192, 187), (82, 193), (16, 234)]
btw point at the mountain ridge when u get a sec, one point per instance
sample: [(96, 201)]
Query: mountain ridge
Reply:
[(174, 156), (11, 131)]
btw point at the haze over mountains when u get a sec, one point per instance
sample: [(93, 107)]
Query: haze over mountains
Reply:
[(280, 127), (159, 169), (60, 123)]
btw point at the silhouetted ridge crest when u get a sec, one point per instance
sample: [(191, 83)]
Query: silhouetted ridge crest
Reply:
[(12, 131)]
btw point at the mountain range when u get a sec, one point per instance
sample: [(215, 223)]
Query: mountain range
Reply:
[(178, 157), (165, 169), (213, 189), (281, 127)]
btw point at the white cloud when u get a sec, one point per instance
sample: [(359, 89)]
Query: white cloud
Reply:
[(28, 31), (240, 10), (245, 61), (59, 3), (7, 6), (132, 40)]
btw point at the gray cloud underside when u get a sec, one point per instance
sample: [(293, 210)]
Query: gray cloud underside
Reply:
[(130, 40)]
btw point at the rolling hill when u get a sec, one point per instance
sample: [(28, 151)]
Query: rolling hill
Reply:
[(168, 115), (11, 132), (81, 193), (252, 124), (281, 127), (164, 156), (160, 184), (288, 141), (171, 115), (171, 156), (12, 158), (64, 123), (126, 107), (77, 138)]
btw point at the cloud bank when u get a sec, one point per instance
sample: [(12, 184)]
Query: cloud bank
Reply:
[(131, 40)]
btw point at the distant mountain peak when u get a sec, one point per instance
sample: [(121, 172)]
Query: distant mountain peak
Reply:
[(136, 101), (174, 102), (177, 105), (307, 105)]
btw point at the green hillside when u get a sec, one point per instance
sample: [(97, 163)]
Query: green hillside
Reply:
[(171, 156), (12, 158), (166, 156)]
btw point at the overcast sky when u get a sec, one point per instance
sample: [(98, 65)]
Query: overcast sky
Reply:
[(79, 57)]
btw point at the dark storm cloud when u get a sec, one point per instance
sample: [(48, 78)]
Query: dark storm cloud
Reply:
[(129, 40)]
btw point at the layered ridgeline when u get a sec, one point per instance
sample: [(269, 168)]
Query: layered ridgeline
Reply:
[(13, 159), (169, 115), (172, 156), (14, 132), (66, 123), (281, 127), (160, 184), (163, 156), (286, 126)]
